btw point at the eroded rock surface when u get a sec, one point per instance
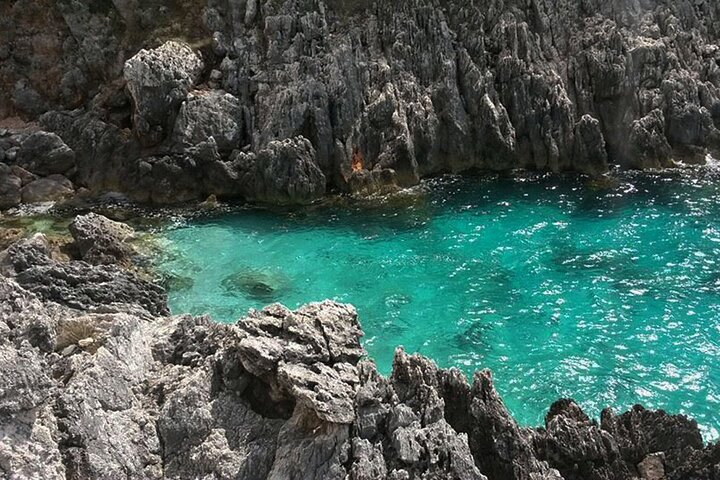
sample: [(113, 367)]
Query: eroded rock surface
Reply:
[(97, 381), (384, 93)]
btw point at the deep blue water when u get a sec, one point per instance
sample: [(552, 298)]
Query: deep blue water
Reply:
[(608, 294)]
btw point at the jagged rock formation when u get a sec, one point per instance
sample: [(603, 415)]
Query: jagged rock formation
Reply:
[(97, 381), (371, 95)]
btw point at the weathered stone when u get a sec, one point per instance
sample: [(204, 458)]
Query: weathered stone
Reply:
[(83, 287), (101, 241), (44, 153), (25, 385), (213, 114), (280, 395), (158, 81), (652, 467), (24, 254), (284, 172), (10, 188), (53, 188)]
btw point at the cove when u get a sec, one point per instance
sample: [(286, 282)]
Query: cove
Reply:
[(609, 294)]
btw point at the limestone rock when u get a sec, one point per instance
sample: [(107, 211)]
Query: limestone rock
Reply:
[(158, 81), (10, 188), (25, 385), (590, 151), (640, 432), (101, 241), (652, 467), (44, 154), (285, 172), (30, 252), (83, 287), (52, 188), (213, 114)]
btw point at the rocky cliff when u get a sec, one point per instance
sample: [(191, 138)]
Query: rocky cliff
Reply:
[(97, 381), (284, 100)]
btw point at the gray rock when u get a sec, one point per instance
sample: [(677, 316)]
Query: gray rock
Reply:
[(577, 446), (84, 287), (649, 148), (158, 81), (285, 172), (53, 188), (25, 385), (112, 433), (590, 151), (30, 446), (10, 188), (640, 432), (327, 392), (101, 241), (27, 253), (652, 467), (44, 154), (385, 96), (213, 114), (24, 176)]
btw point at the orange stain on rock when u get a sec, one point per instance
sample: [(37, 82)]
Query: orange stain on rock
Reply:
[(357, 160)]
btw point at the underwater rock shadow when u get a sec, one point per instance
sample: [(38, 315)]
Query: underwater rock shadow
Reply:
[(256, 284)]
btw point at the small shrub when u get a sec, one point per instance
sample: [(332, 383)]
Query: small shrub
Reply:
[(71, 332)]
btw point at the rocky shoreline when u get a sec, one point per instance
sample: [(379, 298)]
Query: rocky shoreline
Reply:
[(97, 380), (282, 101)]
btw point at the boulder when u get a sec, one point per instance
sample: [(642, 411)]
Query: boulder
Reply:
[(44, 153), (53, 188), (10, 188), (285, 173), (101, 241), (206, 114), (158, 81)]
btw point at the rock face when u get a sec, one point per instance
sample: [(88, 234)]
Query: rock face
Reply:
[(384, 92), (284, 172), (158, 82), (96, 381)]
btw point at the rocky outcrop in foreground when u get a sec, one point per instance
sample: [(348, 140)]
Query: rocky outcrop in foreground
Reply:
[(98, 382), (282, 101)]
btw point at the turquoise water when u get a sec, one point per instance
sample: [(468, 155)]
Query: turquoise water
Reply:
[(607, 294)]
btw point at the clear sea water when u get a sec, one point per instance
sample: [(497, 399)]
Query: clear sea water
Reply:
[(609, 294)]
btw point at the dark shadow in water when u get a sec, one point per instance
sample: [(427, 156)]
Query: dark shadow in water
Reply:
[(475, 338), (266, 286), (173, 282)]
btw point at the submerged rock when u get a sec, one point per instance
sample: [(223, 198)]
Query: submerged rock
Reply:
[(256, 284)]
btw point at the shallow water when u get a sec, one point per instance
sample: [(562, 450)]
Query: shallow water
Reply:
[(609, 294)]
